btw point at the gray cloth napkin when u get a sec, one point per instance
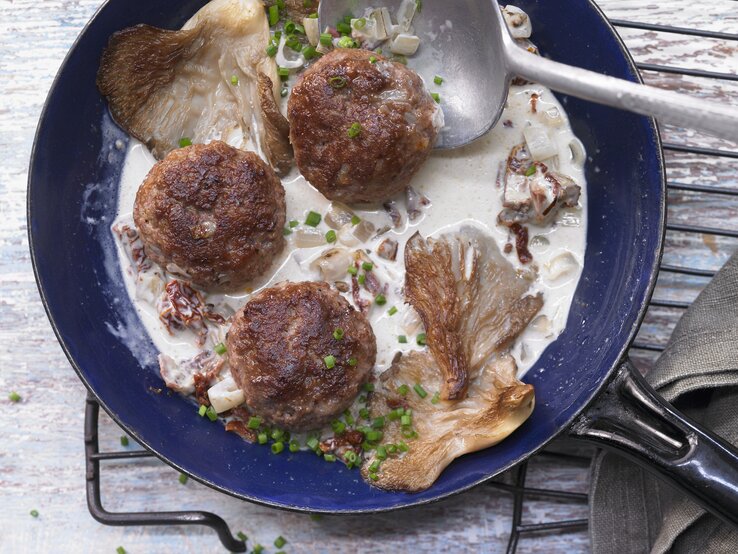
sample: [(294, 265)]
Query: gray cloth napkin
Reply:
[(633, 512)]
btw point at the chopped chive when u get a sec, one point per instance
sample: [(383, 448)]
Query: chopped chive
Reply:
[(234, 80), (283, 73), (14, 397), (286, 231), (374, 466), (124, 441), (374, 436), (354, 130), (182, 479), (420, 390), (378, 422), (338, 333), (312, 443), (363, 399), (352, 362), (290, 27), (402, 339), (254, 422), (293, 44), (203, 408), (277, 434), (310, 52), (372, 59), (294, 223), (373, 477), (360, 23), (391, 449), (294, 446), (120, 550), (346, 42), (392, 310), (337, 82), (355, 220), (402, 390), (436, 398), (277, 447), (380, 300), (258, 549), (330, 361), (352, 270), (381, 453), (402, 447), (361, 279), (220, 349), (530, 171), (348, 417), (313, 219), (436, 97), (338, 426), (364, 413), (409, 433), (326, 39), (438, 80), (185, 141), (273, 15), (211, 413), (406, 420), (280, 541), (367, 266), (330, 236), (271, 50), (368, 387), (421, 339), (344, 28), (241, 536), (329, 458), (34, 513), (350, 456), (394, 415), (263, 438)]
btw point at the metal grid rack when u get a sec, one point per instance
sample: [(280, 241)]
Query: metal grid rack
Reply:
[(513, 482)]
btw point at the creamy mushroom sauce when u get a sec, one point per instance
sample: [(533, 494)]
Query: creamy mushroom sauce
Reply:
[(463, 187)]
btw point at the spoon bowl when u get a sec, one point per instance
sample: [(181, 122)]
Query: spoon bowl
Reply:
[(468, 44)]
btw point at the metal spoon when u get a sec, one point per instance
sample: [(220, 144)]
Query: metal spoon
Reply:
[(468, 43)]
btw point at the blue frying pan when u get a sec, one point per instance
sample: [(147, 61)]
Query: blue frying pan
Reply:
[(584, 383)]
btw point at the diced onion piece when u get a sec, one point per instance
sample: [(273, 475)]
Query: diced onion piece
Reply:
[(312, 30), (405, 14), (364, 230), (225, 395), (346, 236), (390, 28), (309, 238), (282, 60), (539, 243), (578, 154), (332, 263), (561, 265), (380, 30), (517, 21), (552, 117), (541, 324), (404, 44), (411, 322), (539, 144), (338, 215)]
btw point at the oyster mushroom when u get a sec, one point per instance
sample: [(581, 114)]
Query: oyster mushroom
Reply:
[(473, 304), (199, 83)]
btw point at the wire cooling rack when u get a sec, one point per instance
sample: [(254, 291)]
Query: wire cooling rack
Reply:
[(644, 349)]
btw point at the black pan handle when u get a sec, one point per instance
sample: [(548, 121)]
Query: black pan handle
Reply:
[(631, 418)]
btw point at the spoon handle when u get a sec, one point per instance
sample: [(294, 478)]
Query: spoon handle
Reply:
[(668, 107)]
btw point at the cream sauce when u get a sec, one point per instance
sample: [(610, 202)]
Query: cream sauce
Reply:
[(463, 188)]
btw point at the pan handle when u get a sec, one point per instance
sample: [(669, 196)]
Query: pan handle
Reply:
[(631, 418)]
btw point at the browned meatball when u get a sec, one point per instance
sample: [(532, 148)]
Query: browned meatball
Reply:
[(396, 117), (277, 350), (212, 214)]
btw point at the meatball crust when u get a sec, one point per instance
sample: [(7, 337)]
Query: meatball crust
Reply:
[(212, 214), (397, 115), (277, 347)]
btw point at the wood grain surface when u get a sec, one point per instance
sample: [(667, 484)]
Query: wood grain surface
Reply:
[(41, 451)]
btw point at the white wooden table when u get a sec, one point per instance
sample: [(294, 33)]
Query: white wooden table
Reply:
[(41, 446)]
